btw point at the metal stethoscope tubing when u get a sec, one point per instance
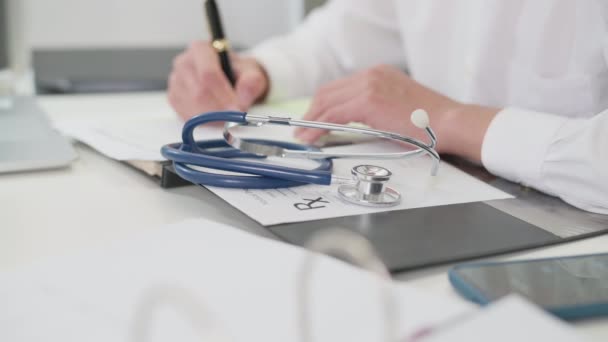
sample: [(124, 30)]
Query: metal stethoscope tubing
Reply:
[(419, 118)]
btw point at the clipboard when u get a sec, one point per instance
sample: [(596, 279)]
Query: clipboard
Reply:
[(413, 239)]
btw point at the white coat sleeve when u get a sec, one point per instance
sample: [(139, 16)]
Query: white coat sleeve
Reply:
[(341, 37), (561, 156)]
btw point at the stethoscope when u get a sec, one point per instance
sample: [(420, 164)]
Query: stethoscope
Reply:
[(367, 187)]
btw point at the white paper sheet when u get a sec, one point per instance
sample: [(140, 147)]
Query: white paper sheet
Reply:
[(126, 140), (247, 283), (133, 138), (141, 139), (313, 202)]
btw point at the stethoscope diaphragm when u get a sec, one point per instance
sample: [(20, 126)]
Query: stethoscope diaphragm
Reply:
[(370, 188)]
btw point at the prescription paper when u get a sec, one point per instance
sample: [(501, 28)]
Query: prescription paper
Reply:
[(314, 202)]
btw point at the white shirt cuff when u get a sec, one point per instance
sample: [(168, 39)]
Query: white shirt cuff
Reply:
[(516, 145), (278, 70)]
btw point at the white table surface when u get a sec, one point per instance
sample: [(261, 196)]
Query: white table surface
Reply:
[(98, 200)]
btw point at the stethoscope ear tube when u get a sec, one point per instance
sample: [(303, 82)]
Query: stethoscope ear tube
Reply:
[(200, 177), (191, 155), (201, 119), (274, 176)]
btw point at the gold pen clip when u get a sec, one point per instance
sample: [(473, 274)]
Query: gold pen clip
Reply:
[(221, 45)]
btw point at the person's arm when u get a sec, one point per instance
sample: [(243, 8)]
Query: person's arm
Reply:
[(335, 40), (561, 156), (342, 36), (558, 155)]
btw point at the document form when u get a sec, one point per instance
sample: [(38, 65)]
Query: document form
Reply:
[(411, 177)]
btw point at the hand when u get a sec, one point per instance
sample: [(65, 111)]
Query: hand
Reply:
[(383, 97), (197, 83)]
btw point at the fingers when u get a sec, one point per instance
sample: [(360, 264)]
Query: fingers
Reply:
[(211, 76), (250, 85), (198, 84), (332, 103), (186, 94), (331, 94), (183, 87), (183, 76), (340, 113)]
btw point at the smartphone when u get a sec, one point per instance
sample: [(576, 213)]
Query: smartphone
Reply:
[(571, 288)]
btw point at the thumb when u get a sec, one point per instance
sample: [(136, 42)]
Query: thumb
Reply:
[(250, 85)]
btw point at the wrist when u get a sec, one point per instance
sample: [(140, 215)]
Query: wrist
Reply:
[(251, 81), (461, 130), (266, 82), (444, 126)]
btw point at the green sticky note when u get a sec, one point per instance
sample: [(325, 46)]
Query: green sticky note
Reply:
[(296, 108)]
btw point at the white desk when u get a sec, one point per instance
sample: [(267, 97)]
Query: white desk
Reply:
[(98, 200)]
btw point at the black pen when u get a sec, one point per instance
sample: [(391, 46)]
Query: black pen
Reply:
[(219, 41)]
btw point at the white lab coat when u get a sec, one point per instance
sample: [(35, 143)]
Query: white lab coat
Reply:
[(544, 61)]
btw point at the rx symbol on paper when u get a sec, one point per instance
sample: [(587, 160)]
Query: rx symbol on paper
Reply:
[(311, 204)]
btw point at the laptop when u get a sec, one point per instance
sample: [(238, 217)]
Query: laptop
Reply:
[(27, 140)]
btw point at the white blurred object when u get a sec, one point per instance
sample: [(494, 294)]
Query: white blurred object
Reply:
[(16, 78), (201, 278), (18, 46), (356, 250), (246, 283), (7, 89), (510, 319)]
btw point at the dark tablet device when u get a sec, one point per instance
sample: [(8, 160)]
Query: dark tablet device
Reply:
[(573, 287)]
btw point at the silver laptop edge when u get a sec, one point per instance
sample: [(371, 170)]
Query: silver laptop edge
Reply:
[(27, 140)]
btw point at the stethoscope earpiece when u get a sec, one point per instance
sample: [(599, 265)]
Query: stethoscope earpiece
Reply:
[(420, 118)]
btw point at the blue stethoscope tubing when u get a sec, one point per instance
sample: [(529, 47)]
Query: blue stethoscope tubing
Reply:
[(217, 154)]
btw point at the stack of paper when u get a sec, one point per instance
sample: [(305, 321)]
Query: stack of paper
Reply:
[(140, 139), (198, 278)]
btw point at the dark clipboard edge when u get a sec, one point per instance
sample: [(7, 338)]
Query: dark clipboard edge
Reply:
[(168, 179), (557, 241)]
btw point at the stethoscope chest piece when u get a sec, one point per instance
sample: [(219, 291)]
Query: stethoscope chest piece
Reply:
[(370, 187)]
